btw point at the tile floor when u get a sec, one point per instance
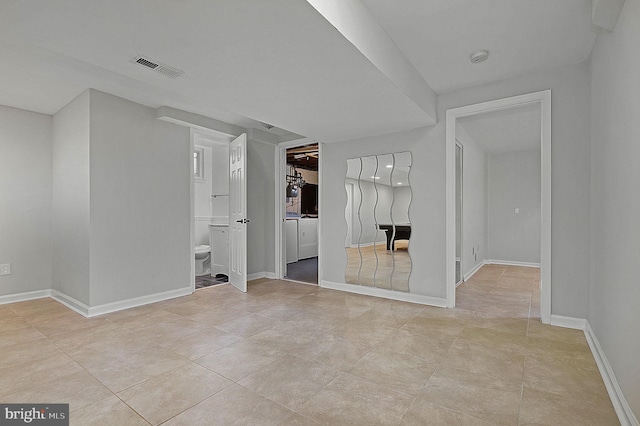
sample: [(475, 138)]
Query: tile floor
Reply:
[(295, 354)]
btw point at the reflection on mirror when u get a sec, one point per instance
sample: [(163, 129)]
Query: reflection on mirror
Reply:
[(378, 225)]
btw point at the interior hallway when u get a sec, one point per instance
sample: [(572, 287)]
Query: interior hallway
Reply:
[(288, 353)]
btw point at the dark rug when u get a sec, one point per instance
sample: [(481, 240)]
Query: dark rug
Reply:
[(305, 270), (207, 280)]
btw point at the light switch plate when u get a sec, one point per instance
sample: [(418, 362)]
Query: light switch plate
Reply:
[(5, 269)]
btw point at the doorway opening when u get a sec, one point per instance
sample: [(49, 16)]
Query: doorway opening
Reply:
[(212, 196), (474, 251), (299, 201)]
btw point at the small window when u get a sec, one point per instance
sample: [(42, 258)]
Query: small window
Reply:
[(198, 163)]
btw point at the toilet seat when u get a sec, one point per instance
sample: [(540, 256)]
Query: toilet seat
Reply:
[(202, 249)]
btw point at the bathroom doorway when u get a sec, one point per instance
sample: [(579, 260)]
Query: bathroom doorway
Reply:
[(210, 208), (299, 201)]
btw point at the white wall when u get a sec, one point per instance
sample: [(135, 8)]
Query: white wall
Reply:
[(615, 206), (220, 183), (140, 206), (25, 200), (514, 182), (202, 189), (474, 208), (71, 221), (261, 172), (570, 182)]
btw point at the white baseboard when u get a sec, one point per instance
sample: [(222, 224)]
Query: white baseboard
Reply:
[(138, 301), (568, 322), (387, 294), (620, 404), (474, 270), (512, 263), (22, 297), (70, 302), (263, 274)]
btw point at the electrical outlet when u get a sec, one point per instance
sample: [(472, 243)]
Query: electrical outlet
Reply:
[(516, 210), (5, 269)]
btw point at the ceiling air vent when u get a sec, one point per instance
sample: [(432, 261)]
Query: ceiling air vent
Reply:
[(157, 66)]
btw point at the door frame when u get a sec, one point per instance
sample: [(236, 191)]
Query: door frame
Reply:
[(461, 145), (280, 200), (217, 137), (543, 99)]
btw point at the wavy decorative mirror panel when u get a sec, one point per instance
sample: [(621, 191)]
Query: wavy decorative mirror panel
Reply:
[(378, 224)]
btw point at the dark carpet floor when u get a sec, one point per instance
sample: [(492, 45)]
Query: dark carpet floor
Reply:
[(305, 270)]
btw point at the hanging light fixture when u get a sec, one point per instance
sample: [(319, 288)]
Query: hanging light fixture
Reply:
[(294, 182)]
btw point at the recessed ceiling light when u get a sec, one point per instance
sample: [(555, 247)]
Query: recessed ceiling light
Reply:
[(375, 177), (399, 183), (479, 56), (389, 166)]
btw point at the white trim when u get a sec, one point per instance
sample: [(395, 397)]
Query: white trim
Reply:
[(568, 322), (138, 301), (192, 213), (22, 297), (386, 294), (620, 404), (542, 98), (512, 263), (280, 209), (480, 264), (263, 274), (70, 302)]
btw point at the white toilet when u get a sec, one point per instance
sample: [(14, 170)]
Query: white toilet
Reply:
[(203, 259)]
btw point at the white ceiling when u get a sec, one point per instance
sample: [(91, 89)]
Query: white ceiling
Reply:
[(438, 36), (276, 61), (507, 130)]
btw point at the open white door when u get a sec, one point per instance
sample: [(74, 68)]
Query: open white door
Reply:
[(238, 213)]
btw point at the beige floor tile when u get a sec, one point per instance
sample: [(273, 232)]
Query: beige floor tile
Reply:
[(13, 321), (401, 372), (423, 412), (127, 363), (234, 405), (546, 331), (77, 389), (202, 342), (281, 340), (165, 333), (564, 377), (477, 395), (333, 351), (481, 360), (23, 376), (499, 342), (248, 325), (11, 337), (296, 419), (518, 326), (350, 400), (544, 408), (238, 360), (138, 322), (289, 381), (110, 411), (23, 352), (429, 346), (166, 396), (294, 344)]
